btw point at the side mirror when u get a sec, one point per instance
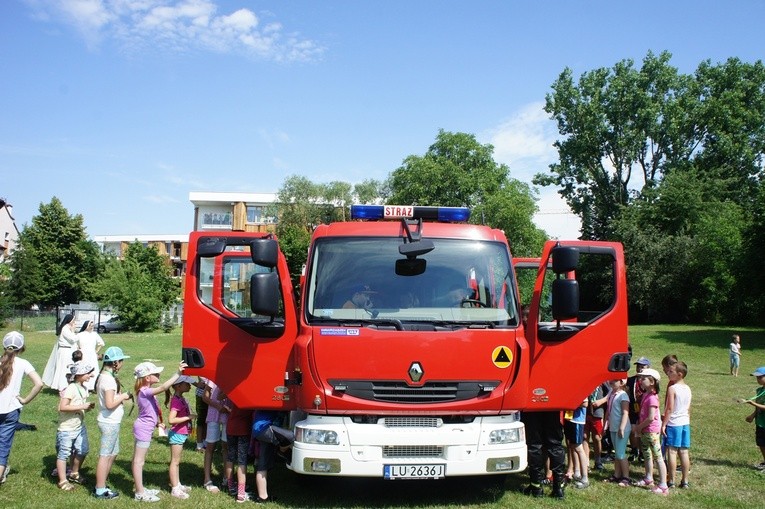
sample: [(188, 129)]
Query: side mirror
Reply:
[(264, 252), (564, 259), (264, 293), (565, 299)]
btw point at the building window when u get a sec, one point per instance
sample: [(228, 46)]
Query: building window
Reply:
[(254, 214), (216, 220)]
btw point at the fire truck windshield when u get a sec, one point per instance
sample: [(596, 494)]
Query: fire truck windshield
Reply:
[(464, 282)]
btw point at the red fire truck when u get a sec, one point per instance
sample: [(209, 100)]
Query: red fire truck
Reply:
[(405, 354)]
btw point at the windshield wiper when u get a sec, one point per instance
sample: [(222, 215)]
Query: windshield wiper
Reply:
[(353, 322), (463, 325)]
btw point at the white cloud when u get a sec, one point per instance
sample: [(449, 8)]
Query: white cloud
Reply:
[(525, 143), (160, 199), (177, 25), (274, 137)]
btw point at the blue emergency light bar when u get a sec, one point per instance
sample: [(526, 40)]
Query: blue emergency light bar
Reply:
[(443, 214)]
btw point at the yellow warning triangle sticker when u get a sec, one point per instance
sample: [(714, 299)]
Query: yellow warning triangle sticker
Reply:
[(502, 357)]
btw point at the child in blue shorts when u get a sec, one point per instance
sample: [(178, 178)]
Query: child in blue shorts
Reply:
[(72, 435), (573, 430), (676, 424)]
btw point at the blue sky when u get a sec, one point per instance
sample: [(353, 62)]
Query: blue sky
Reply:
[(120, 108)]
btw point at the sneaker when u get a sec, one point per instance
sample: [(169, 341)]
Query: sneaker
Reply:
[(5, 474), (106, 495), (580, 485), (178, 492), (660, 491), (186, 489), (244, 497), (154, 492), (146, 497), (760, 466), (210, 486)]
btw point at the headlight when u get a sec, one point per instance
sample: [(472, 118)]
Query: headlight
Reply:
[(316, 436), (504, 436)]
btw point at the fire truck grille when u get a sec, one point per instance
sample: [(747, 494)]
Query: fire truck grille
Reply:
[(413, 451), (398, 391), (412, 422)]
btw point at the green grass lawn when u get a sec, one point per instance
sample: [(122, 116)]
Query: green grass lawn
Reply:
[(722, 450)]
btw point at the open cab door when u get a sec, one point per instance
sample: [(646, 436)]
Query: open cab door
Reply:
[(240, 319), (577, 324)]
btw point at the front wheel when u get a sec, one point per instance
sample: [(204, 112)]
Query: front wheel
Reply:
[(101, 329)]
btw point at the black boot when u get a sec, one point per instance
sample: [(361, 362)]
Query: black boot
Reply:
[(558, 491), (534, 490)]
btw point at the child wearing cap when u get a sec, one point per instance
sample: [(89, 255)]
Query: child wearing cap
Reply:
[(635, 392), (12, 371), (72, 435), (758, 416), (146, 376), (179, 419), (648, 428), (111, 411)]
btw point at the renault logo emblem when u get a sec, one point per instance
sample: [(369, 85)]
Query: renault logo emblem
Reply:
[(416, 372)]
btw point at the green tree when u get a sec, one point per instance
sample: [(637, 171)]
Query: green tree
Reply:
[(54, 263), (621, 127), (140, 287), (302, 205), (672, 165), (5, 294), (731, 128), (457, 171)]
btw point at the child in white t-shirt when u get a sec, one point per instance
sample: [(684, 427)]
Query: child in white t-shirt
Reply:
[(72, 435)]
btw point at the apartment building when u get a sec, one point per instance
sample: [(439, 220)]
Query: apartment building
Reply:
[(173, 246), (9, 232), (246, 212)]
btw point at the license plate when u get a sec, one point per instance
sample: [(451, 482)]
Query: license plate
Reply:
[(392, 472)]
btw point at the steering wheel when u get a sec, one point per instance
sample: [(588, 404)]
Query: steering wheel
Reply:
[(471, 303)]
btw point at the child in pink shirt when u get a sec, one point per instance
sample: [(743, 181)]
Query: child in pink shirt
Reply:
[(179, 419), (648, 428)]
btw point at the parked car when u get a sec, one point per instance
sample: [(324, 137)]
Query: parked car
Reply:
[(113, 324)]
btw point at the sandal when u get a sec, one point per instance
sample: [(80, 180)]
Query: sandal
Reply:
[(76, 478), (644, 483), (210, 486), (625, 482), (66, 486), (612, 479)]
